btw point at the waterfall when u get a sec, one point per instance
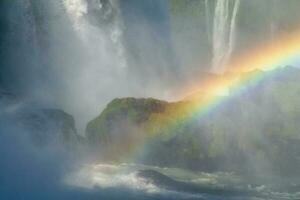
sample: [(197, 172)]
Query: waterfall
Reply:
[(98, 25), (102, 63), (232, 32), (76, 9), (207, 18), (82, 59), (223, 33), (76, 53)]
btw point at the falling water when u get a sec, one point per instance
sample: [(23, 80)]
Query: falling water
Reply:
[(231, 42), (223, 33), (103, 63), (94, 32), (76, 9), (207, 17)]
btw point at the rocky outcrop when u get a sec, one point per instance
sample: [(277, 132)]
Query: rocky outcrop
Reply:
[(42, 125), (49, 125), (255, 129), (120, 115)]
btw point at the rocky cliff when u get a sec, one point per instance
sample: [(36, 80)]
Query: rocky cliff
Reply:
[(254, 130), (41, 124)]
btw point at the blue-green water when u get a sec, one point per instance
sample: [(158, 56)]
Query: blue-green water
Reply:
[(27, 175)]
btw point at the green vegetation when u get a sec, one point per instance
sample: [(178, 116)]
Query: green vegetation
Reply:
[(120, 112)]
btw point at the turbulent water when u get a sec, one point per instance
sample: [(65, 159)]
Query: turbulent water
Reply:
[(174, 183), (80, 54), (224, 33)]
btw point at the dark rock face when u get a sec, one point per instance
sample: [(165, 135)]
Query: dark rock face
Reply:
[(49, 125), (42, 125), (120, 112), (120, 125), (255, 130)]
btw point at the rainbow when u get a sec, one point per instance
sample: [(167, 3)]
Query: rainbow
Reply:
[(268, 58)]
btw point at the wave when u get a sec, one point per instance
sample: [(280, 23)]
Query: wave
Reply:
[(108, 175), (171, 181)]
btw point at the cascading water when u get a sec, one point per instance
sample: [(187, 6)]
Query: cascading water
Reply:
[(98, 25), (83, 51), (99, 54), (207, 17), (223, 40), (66, 53), (76, 9), (76, 56)]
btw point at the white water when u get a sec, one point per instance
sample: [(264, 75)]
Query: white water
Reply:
[(107, 176), (126, 175), (102, 62), (76, 9), (232, 32), (223, 33), (207, 16), (99, 38)]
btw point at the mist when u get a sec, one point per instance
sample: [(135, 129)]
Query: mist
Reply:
[(79, 54), (63, 62)]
